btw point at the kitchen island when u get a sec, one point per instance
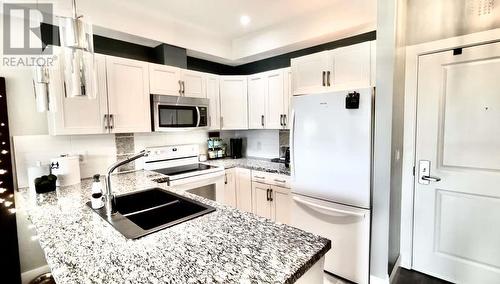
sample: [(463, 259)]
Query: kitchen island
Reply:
[(226, 246)]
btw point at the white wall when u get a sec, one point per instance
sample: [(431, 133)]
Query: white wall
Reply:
[(260, 143)]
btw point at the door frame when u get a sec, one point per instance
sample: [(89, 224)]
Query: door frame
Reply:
[(410, 120)]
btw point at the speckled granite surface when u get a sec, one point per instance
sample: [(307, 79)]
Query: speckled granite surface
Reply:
[(226, 246), (252, 164)]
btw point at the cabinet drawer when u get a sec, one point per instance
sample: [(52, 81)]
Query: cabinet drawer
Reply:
[(271, 178)]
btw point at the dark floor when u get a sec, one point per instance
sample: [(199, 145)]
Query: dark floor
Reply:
[(405, 276)]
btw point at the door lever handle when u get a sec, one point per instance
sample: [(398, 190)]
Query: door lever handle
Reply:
[(431, 178)]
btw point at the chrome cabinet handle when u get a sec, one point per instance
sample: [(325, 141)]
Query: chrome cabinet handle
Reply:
[(225, 178), (280, 180), (270, 194), (284, 120), (268, 198), (106, 122), (259, 177), (431, 178), (180, 88), (281, 119), (324, 78), (262, 120), (183, 89), (112, 121), (328, 78)]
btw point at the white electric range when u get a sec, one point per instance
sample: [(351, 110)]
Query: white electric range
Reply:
[(180, 169)]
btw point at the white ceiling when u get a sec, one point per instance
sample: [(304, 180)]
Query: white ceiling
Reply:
[(211, 29), (222, 17)]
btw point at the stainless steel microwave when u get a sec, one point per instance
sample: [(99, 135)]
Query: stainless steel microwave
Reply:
[(178, 113)]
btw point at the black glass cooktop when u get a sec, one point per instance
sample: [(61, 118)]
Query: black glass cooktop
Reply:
[(183, 169)]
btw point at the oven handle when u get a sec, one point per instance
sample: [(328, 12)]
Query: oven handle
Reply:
[(198, 114)]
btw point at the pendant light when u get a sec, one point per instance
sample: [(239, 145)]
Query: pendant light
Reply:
[(77, 56)]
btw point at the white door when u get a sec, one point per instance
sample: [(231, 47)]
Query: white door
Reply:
[(193, 84), (230, 188), (79, 115), (128, 95), (275, 96), (233, 102), (214, 102), (257, 94), (261, 201), (352, 66), (310, 72), (457, 219), (164, 80), (281, 199), (243, 189)]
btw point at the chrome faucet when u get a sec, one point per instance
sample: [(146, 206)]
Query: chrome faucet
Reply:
[(110, 197)]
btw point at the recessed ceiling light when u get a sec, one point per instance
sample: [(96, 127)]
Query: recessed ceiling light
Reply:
[(245, 20)]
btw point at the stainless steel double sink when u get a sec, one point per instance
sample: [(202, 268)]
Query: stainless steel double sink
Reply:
[(147, 211)]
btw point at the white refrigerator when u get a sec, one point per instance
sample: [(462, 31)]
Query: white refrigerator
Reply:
[(331, 162)]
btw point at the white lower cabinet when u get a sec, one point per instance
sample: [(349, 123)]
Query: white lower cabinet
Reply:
[(238, 189), (243, 189), (230, 188), (271, 196)]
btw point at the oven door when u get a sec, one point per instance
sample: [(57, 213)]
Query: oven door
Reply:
[(176, 116)]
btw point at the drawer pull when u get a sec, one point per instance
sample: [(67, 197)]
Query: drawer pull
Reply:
[(259, 177), (280, 180)]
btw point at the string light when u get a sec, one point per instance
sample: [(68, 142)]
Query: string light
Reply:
[(4, 152), (8, 203), (2, 189)]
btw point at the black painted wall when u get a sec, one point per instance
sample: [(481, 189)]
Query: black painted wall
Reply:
[(9, 253), (176, 56)]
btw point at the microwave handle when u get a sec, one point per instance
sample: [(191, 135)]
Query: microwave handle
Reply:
[(198, 115)]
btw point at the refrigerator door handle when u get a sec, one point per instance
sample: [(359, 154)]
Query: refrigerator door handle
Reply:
[(328, 209)]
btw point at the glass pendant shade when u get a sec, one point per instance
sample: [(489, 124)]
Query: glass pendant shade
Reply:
[(77, 55), (41, 86)]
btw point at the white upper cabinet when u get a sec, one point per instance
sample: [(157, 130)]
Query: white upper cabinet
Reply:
[(79, 115), (193, 84), (339, 69), (310, 72), (257, 96), (275, 101), (352, 66), (164, 80), (233, 101), (212, 86), (128, 95)]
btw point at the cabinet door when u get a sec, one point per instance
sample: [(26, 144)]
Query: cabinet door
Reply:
[(68, 116), (261, 204), (281, 204), (193, 84), (351, 66), (230, 188), (128, 95), (287, 97), (257, 93), (275, 97), (243, 189), (310, 71), (164, 80), (233, 101), (214, 102)]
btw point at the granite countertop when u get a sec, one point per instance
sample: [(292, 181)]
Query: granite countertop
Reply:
[(252, 164), (226, 246)]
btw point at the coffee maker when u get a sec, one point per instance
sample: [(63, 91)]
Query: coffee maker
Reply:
[(236, 145)]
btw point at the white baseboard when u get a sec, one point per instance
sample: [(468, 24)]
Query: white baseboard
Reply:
[(29, 275), (395, 269), (378, 280)]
